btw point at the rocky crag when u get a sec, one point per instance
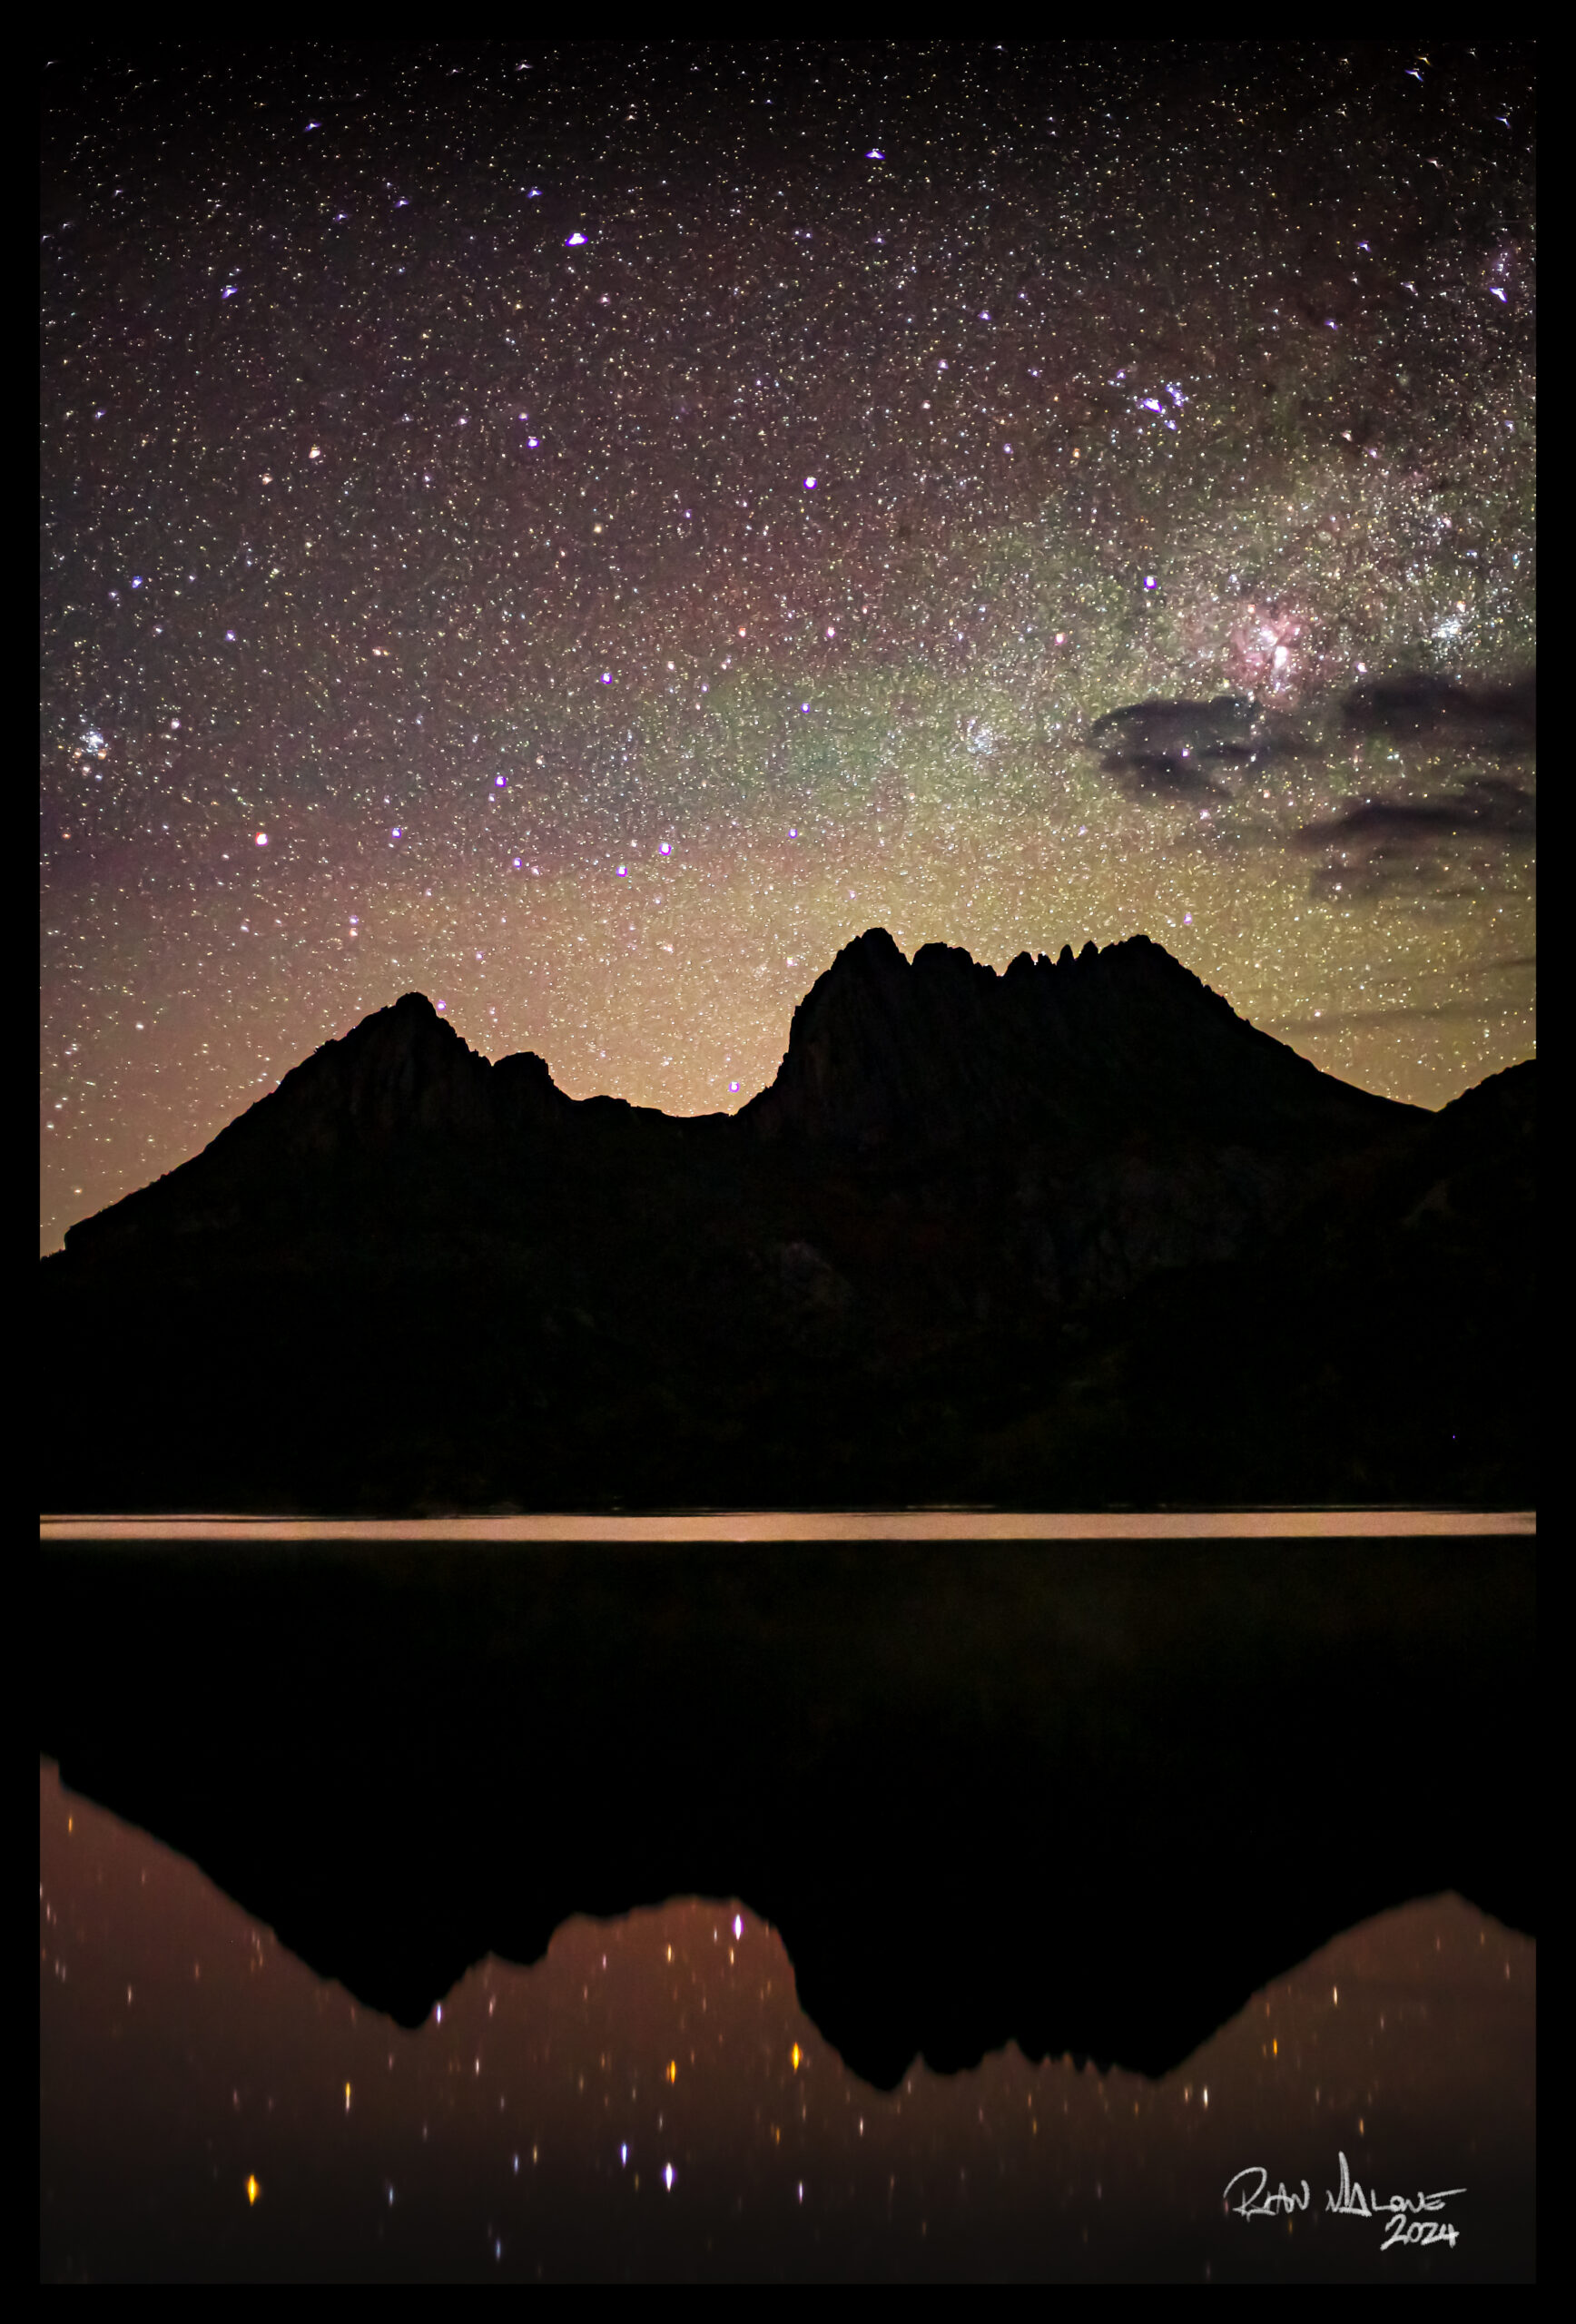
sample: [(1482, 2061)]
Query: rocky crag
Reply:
[(1070, 1234)]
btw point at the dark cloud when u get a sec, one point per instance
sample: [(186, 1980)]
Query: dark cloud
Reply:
[(1182, 748), (1490, 807), (1384, 845), (1447, 713)]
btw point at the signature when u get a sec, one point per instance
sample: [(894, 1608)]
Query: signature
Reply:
[(1413, 2218)]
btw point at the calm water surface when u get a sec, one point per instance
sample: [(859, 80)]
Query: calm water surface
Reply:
[(700, 1526), (650, 2102)]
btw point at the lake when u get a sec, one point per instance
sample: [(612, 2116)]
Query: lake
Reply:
[(972, 1899)]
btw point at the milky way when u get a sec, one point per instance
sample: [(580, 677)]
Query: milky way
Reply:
[(585, 532)]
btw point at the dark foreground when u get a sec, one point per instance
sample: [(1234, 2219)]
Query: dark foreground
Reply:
[(1069, 1236), (1086, 1797)]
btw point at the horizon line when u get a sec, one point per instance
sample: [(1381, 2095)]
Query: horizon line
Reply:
[(748, 1527)]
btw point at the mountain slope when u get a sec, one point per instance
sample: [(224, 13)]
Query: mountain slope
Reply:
[(942, 1049), (951, 1254)]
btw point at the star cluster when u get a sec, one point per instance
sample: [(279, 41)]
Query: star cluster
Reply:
[(585, 531)]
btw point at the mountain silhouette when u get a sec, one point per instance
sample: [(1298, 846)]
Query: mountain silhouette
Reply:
[(1072, 1234), (943, 1050)]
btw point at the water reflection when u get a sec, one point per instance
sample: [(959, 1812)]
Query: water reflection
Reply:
[(694, 1527), (649, 2101)]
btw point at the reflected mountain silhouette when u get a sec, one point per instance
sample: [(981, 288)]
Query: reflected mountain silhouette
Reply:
[(1087, 1797)]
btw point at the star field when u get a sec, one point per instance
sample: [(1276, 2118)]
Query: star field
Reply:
[(585, 531), (651, 2099)]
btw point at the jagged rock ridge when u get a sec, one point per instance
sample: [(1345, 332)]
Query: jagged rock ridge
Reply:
[(884, 1057), (942, 1049), (936, 1260)]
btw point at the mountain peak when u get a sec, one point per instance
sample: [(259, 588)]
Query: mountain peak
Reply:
[(875, 945), (885, 1051), (403, 1071), (885, 1056), (403, 1068), (953, 1167)]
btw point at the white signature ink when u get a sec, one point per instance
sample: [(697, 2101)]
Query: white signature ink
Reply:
[(1254, 2203), (1404, 2214)]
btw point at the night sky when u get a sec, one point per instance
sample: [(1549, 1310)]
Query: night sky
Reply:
[(584, 532)]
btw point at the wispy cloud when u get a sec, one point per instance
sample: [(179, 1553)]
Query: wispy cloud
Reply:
[(1381, 844), (1447, 713), (1184, 749)]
